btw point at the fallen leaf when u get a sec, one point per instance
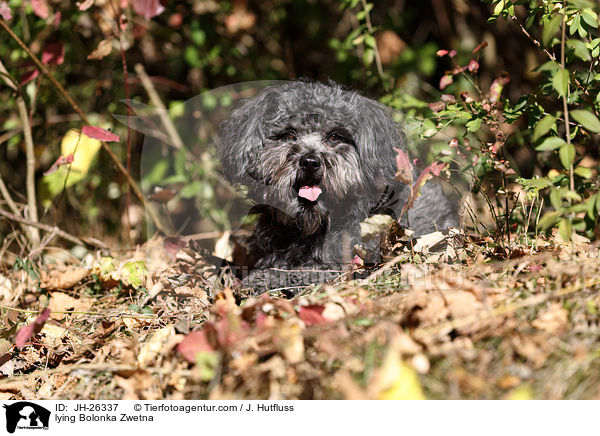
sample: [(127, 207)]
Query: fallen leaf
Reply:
[(153, 346), (312, 315), (66, 279), (61, 302), (554, 320), (395, 380), (26, 333), (193, 343)]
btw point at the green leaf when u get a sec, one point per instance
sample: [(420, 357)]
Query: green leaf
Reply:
[(543, 126), (591, 206), (548, 220), (579, 49), (587, 119), (551, 143), (574, 26), (550, 28), (556, 198), (566, 153), (590, 18), (560, 81), (565, 230), (583, 172), (474, 125)]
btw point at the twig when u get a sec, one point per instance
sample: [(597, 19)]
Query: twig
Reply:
[(43, 227), (162, 110), (532, 39), (136, 190), (92, 367), (30, 178), (375, 49), (565, 100)]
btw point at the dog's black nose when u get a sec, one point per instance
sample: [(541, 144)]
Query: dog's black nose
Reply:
[(310, 161)]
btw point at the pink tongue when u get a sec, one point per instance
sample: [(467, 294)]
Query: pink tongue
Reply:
[(310, 192)]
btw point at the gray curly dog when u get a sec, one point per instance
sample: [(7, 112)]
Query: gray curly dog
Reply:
[(316, 160)]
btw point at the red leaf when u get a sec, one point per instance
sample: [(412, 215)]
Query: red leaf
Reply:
[(437, 167), (452, 53), (26, 333), (56, 19), (311, 315), (53, 53), (445, 81), (28, 77), (230, 329), (40, 8), (193, 343), (357, 261), (441, 53), (100, 134), (448, 98), (404, 169), (148, 8), (473, 66), (62, 160), (85, 5), (5, 11), (437, 106)]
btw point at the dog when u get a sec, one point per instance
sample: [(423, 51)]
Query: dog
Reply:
[(316, 160)]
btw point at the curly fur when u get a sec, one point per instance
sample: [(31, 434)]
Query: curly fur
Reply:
[(315, 134)]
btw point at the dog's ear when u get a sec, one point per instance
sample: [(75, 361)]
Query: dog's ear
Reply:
[(378, 135), (242, 133)]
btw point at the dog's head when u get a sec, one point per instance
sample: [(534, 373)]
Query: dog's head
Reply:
[(316, 152)]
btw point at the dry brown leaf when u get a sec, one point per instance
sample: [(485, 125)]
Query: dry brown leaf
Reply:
[(65, 279), (61, 302), (554, 320), (6, 289), (292, 341), (425, 308), (152, 348), (535, 349)]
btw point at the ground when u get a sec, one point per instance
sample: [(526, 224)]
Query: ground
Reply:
[(454, 317)]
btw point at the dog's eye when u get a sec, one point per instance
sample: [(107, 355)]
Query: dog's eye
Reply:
[(288, 135), (334, 138), (338, 138)]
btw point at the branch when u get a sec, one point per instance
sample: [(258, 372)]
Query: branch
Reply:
[(162, 110), (375, 48), (565, 100), (30, 177), (43, 227)]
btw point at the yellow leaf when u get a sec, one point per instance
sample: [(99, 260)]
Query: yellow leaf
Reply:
[(83, 148), (401, 380), (523, 392)]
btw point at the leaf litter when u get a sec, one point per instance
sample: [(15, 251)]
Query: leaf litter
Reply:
[(446, 316)]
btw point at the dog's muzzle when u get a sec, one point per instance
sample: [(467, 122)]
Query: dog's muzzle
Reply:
[(310, 174)]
